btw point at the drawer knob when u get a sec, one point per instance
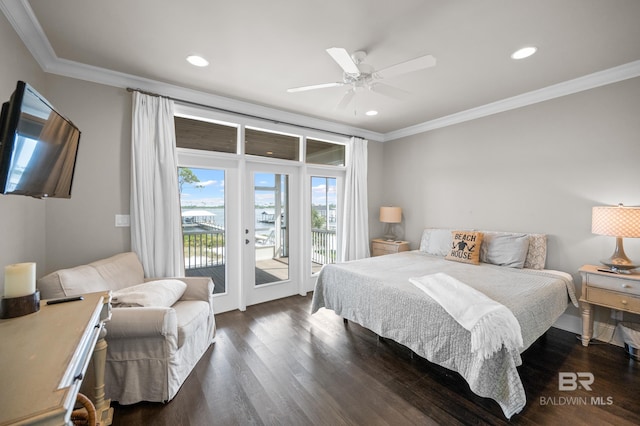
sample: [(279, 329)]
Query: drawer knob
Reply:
[(626, 286), (624, 302)]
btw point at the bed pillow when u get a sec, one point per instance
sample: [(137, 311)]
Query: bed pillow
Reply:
[(537, 255), (465, 247), (508, 250), (157, 293), (436, 241)]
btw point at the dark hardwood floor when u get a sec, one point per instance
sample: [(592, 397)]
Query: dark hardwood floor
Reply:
[(275, 364)]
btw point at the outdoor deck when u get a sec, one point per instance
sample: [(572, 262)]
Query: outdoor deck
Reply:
[(267, 271)]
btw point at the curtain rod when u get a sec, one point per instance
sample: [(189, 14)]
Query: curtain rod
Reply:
[(144, 92)]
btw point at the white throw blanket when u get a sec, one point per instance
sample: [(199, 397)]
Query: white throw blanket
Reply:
[(491, 324)]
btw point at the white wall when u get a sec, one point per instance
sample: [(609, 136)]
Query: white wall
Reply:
[(82, 229), (375, 183), (534, 169), (22, 219)]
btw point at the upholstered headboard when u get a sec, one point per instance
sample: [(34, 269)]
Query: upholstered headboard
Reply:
[(513, 249)]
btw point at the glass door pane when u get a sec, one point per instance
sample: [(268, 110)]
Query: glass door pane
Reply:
[(202, 203), (324, 223), (271, 206)]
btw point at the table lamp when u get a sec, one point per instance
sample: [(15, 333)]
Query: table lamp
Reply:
[(389, 216), (620, 222)]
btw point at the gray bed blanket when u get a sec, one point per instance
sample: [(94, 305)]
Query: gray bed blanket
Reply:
[(376, 293)]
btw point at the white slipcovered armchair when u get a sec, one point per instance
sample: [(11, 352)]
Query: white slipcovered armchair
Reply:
[(151, 350)]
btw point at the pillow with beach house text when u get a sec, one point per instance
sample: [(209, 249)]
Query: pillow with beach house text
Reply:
[(465, 247)]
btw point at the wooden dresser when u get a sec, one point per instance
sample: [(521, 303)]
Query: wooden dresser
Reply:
[(44, 359), (380, 246)]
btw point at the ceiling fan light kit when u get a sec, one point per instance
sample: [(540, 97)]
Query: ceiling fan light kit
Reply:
[(357, 74)]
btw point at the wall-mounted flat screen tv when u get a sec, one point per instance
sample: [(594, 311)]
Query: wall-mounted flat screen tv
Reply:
[(38, 147)]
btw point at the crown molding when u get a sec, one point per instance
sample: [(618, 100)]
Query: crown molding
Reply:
[(589, 81), (26, 25), (21, 17)]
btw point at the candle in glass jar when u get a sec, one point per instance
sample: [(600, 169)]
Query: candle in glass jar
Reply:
[(19, 279)]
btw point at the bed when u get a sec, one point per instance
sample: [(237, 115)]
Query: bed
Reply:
[(377, 294)]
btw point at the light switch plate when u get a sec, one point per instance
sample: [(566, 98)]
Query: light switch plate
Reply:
[(123, 220)]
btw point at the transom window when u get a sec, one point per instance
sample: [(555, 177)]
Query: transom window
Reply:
[(272, 145), (205, 135)]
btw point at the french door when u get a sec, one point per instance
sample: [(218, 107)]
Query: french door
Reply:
[(241, 226), (210, 205), (271, 232)]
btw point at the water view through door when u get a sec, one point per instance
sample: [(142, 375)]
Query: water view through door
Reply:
[(202, 202), (271, 201), (271, 231), (211, 225)]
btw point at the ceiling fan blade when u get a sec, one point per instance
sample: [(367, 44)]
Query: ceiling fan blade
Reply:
[(411, 65), (314, 87), (346, 99), (342, 58), (390, 91)]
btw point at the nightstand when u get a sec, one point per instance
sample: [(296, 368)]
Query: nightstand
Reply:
[(380, 246), (615, 291)]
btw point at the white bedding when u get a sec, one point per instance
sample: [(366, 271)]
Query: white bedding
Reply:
[(377, 294)]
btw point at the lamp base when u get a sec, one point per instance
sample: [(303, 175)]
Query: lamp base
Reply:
[(617, 268), (388, 232), (12, 307), (619, 262)]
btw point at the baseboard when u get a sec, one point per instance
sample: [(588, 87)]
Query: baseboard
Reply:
[(602, 331)]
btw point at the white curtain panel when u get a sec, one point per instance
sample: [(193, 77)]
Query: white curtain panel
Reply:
[(356, 215), (156, 234)]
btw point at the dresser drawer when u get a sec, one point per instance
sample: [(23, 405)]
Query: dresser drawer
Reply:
[(614, 300), (615, 283)]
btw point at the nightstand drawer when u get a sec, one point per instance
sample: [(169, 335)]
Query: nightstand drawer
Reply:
[(615, 283), (613, 299), (380, 247), (382, 250)]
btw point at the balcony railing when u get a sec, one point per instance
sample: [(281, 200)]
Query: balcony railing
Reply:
[(323, 246), (205, 247)]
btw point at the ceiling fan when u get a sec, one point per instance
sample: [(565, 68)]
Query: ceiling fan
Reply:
[(358, 75)]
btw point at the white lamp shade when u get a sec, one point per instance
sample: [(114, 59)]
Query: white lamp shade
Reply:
[(390, 214), (616, 221)]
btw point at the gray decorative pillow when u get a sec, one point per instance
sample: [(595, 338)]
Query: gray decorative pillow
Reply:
[(508, 250), (436, 241)]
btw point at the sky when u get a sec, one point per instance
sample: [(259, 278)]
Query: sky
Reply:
[(209, 191)]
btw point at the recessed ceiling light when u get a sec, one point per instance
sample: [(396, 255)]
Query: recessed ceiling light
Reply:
[(198, 61), (525, 52), (371, 113)]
